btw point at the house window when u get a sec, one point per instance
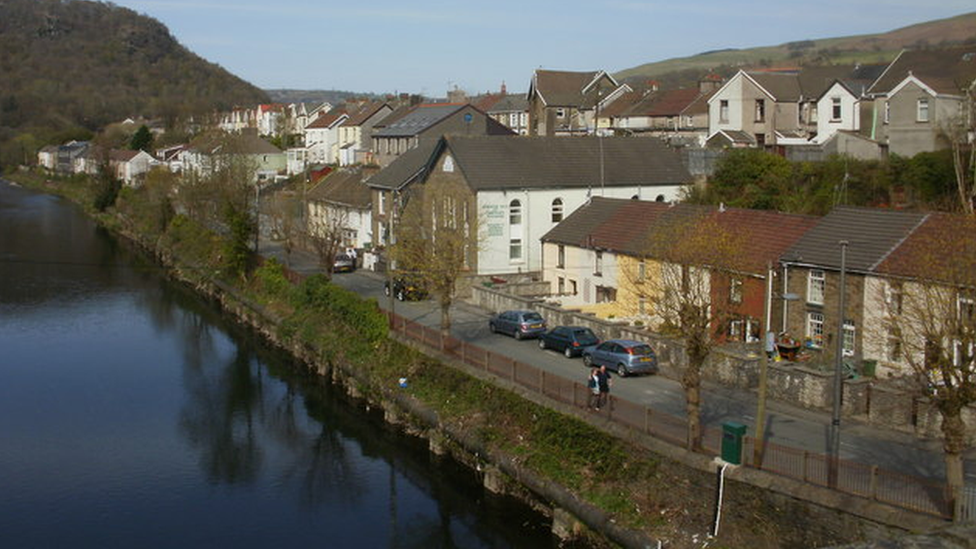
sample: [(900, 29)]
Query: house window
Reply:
[(642, 306), (735, 290), (962, 354), (887, 112), (572, 287), (382, 203), (557, 210), (515, 213), (723, 110), (815, 329), (922, 110), (561, 257), (893, 298), (689, 121), (966, 310), (850, 336), (560, 113), (816, 286), (448, 164), (605, 294), (560, 286), (893, 345), (760, 110), (598, 264), (515, 249), (835, 111), (641, 271)]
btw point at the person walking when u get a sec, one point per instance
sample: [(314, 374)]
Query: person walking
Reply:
[(593, 384), (603, 383)]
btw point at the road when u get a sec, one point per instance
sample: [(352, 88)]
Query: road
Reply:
[(787, 425)]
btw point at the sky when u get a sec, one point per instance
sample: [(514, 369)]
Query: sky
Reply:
[(430, 46)]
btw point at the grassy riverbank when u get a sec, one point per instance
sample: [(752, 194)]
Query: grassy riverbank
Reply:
[(659, 497)]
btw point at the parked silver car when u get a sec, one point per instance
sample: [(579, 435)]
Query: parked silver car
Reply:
[(623, 356), (518, 324)]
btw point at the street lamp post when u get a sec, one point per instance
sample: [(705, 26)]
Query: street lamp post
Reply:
[(838, 373)]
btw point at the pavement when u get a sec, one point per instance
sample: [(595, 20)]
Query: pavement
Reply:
[(787, 424)]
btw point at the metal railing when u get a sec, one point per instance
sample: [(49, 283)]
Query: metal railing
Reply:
[(867, 481)]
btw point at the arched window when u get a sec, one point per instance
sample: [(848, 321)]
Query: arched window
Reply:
[(557, 210), (515, 213), (660, 198)]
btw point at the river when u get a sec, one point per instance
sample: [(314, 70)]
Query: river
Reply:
[(133, 414)]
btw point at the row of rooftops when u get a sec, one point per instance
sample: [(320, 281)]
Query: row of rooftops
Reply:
[(900, 244)]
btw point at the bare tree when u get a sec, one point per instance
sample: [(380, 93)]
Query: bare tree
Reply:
[(960, 130), (437, 241), (325, 235), (283, 215), (930, 325), (683, 252)]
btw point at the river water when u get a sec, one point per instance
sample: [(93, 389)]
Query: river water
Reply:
[(132, 414)]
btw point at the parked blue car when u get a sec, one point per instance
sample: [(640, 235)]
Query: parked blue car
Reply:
[(623, 356), (569, 340), (518, 324)]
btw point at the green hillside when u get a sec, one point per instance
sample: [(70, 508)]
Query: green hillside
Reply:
[(70, 66), (869, 48)]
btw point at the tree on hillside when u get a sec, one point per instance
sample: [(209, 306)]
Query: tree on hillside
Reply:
[(751, 178), (142, 140), (929, 324), (684, 252), (437, 239)]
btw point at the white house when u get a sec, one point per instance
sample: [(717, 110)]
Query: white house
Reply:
[(322, 138), (523, 187)]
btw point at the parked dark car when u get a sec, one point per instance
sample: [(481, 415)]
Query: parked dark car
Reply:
[(518, 324), (406, 288), (343, 263), (569, 340), (623, 356)]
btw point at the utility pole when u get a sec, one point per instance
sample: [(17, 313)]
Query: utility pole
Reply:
[(838, 374)]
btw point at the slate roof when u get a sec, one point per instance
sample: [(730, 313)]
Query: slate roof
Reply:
[(508, 103), (406, 167), (502, 162), (490, 162), (946, 71), (121, 155), (782, 86), (364, 113), (627, 226), (325, 120), (418, 119), (345, 187), (871, 234)]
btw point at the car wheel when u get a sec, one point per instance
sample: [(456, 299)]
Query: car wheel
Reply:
[(621, 370), (518, 334), (568, 352), (542, 344), (386, 290), (401, 296), (588, 360)]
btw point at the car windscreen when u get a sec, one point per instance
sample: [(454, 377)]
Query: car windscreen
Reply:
[(585, 337), (532, 317), (642, 350)]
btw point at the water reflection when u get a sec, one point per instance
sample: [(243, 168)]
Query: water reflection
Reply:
[(133, 414)]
